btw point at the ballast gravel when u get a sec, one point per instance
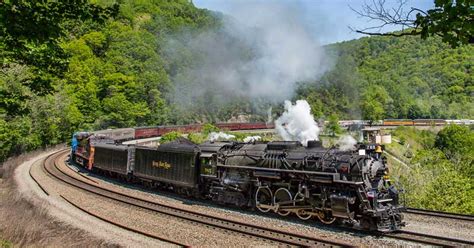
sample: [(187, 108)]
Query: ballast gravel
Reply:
[(189, 232), (461, 229), (290, 224)]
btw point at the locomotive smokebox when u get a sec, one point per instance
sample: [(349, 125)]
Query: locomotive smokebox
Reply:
[(314, 143)]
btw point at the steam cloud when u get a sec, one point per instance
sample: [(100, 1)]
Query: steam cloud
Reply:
[(252, 138), (297, 123), (220, 136), (346, 143), (261, 51)]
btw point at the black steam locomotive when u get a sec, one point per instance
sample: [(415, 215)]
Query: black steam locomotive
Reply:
[(349, 187)]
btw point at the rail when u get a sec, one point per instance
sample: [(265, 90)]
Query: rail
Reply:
[(441, 214)]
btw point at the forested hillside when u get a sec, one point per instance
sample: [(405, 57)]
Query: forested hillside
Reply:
[(105, 74), (89, 70), (395, 77)]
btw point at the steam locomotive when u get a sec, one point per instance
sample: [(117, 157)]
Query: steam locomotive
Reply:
[(335, 186)]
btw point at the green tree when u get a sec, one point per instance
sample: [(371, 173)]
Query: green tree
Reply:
[(449, 192), (333, 125), (457, 143), (121, 112), (31, 32), (374, 100), (452, 20)]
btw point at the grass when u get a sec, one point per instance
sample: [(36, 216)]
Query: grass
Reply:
[(5, 243)]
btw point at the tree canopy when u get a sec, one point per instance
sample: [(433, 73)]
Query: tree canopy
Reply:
[(451, 20), (88, 65)]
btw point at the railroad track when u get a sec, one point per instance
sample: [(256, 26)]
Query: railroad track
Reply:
[(51, 167), (429, 239), (52, 159), (440, 214)]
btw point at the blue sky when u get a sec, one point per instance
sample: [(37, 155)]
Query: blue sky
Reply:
[(328, 20)]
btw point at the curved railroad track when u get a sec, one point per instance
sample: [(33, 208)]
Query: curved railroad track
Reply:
[(52, 160), (51, 167), (440, 214)]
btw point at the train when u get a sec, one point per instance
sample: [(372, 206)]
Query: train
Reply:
[(338, 187), (123, 134), (405, 122)]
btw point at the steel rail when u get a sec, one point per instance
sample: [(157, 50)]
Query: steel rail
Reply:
[(440, 214), (195, 216), (36, 180), (429, 239), (151, 235)]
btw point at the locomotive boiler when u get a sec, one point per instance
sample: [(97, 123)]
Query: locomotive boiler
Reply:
[(285, 177)]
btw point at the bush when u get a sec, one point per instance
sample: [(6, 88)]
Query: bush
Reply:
[(209, 128), (402, 140), (197, 138), (171, 136), (450, 192)]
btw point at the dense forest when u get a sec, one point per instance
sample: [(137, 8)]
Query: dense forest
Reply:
[(104, 66), (395, 77)]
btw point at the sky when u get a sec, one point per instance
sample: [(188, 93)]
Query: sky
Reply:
[(328, 20)]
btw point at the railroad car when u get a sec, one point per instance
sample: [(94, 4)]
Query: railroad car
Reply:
[(82, 152), (429, 122), (398, 122), (173, 164), (117, 135), (114, 158)]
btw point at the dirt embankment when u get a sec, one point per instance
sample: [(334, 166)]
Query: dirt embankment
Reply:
[(24, 224)]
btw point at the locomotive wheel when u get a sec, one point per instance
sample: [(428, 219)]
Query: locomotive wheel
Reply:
[(282, 195), (299, 201), (326, 218), (263, 195)]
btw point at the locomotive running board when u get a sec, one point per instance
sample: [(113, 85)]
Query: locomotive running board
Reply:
[(334, 176)]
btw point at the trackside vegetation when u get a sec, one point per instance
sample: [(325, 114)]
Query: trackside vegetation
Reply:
[(440, 171)]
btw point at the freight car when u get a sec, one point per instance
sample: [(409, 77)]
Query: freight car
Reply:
[(154, 131), (429, 122), (116, 135), (118, 159), (398, 122), (350, 187)]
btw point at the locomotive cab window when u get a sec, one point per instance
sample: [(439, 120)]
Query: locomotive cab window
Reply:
[(208, 164)]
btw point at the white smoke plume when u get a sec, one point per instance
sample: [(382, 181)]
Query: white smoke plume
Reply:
[(252, 138), (220, 136), (346, 143), (261, 51), (297, 123), (269, 115)]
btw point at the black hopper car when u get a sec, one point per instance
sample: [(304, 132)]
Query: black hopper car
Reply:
[(335, 186)]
